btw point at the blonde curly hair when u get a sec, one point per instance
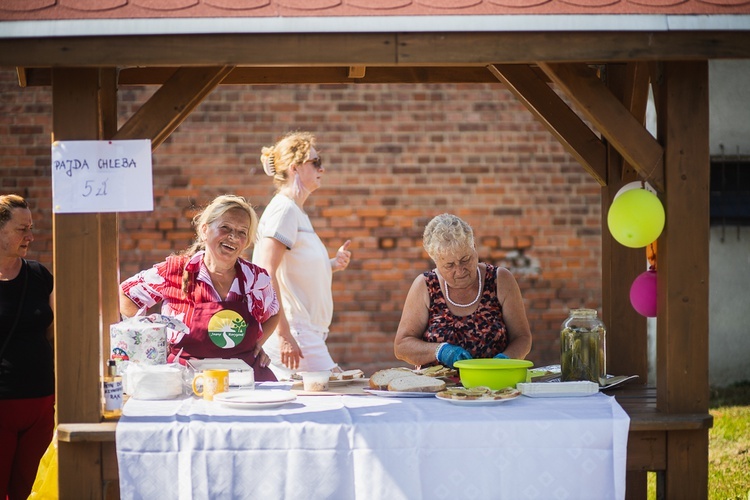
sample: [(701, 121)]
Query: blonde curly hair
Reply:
[(292, 149)]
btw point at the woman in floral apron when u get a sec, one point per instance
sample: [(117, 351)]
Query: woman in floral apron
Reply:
[(228, 303)]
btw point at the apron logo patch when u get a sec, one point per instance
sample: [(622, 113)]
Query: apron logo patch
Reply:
[(226, 328)]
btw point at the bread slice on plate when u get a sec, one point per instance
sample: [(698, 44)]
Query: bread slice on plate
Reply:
[(416, 383), (351, 374), (381, 378)]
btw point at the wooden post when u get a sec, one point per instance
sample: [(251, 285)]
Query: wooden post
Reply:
[(627, 343), (109, 263), (75, 116), (682, 322)]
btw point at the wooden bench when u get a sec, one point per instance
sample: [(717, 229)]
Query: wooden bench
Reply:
[(657, 439), (648, 439)]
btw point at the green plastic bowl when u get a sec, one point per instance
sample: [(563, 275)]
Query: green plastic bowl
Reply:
[(493, 373)]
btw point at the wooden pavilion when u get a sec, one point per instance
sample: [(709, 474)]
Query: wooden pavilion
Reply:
[(600, 56)]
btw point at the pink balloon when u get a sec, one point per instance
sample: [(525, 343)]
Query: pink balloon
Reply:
[(643, 294)]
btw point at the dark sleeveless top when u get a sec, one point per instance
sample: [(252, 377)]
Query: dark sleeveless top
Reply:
[(482, 333), (27, 369)]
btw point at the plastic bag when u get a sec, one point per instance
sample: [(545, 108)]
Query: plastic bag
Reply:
[(45, 484)]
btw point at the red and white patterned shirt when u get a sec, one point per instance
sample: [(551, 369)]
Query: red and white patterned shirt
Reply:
[(163, 283)]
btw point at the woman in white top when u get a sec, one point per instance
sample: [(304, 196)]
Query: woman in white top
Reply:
[(298, 262)]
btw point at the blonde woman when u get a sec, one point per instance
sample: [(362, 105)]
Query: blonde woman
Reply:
[(210, 288), (296, 258)]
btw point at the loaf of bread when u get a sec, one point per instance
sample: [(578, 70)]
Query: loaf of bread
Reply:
[(381, 378), (416, 383), (404, 380)]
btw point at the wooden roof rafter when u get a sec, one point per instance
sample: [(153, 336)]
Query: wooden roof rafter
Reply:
[(611, 117), (158, 117), (562, 122)]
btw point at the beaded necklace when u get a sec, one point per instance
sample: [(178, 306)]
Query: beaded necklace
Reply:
[(479, 292)]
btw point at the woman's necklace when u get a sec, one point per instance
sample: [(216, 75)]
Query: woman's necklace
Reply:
[(479, 292)]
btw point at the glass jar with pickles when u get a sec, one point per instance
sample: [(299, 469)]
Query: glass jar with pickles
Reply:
[(583, 346)]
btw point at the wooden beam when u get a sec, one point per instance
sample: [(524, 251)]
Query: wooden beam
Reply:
[(486, 48), (575, 136), (22, 79), (109, 259), (627, 342), (172, 103), (89, 433), (682, 340), (276, 49), (611, 118), (635, 99), (683, 246), (373, 49), (75, 249), (269, 75)]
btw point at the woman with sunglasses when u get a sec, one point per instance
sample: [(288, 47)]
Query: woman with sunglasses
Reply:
[(297, 259)]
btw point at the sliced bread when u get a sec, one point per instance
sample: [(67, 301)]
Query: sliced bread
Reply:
[(416, 383), (381, 378), (351, 374)]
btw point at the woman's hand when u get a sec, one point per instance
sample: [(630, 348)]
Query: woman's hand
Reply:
[(448, 354), (343, 256), (258, 352), (290, 351)]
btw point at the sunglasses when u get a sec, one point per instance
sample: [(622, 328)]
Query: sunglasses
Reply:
[(317, 162)]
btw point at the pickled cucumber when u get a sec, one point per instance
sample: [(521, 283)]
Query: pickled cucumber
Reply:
[(582, 356)]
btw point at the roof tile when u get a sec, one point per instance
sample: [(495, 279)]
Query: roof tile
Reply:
[(165, 5), (591, 3), (238, 4), (658, 3), (93, 5), (309, 4), (727, 2), (449, 4), (521, 4), (381, 5), (25, 5)]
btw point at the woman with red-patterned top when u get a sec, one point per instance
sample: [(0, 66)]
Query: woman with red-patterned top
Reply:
[(228, 303), (462, 309)]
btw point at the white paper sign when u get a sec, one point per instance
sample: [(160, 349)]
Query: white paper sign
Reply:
[(102, 176)]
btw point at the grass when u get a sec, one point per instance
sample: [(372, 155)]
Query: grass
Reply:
[(728, 445)]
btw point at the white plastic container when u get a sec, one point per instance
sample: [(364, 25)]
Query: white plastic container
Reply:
[(316, 381)]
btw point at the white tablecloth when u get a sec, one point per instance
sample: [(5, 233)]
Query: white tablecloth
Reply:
[(368, 447)]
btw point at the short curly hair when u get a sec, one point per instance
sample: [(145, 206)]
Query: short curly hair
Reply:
[(446, 233)]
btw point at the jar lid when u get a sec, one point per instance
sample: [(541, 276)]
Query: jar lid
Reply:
[(583, 312)]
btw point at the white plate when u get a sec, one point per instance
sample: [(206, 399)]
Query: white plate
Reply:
[(255, 398), (399, 394), (477, 402)]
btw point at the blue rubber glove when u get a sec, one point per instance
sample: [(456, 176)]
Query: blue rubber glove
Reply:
[(449, 354), (501, 356)]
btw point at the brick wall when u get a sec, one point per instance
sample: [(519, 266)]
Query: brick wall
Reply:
[(395, 156)]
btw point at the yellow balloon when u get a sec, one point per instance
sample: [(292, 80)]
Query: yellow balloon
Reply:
[(636, 218)]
